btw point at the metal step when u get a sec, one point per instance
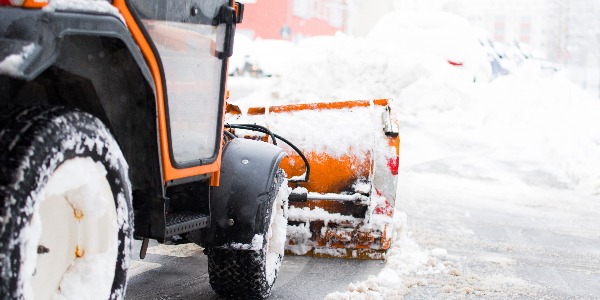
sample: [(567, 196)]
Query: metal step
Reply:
[(182, 222)]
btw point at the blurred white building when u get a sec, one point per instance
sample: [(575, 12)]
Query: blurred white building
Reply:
[(563, 31), (532, 22), (529, 22), (363, 15)]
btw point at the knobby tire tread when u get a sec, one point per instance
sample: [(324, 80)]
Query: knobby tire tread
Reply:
[(241, 274)]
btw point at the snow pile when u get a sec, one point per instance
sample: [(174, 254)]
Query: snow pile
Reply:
[(530, 116), (351, 129), (516, 126), (274, 56), (183, 250), (255, 245), (527, 143), (404, 258), (300, 235), (89, 277), (11, 65), (306, 214), (441, 34), (402, 48), (83, 194), (92, 6), (276, 236), (325, 73), (268, 57)]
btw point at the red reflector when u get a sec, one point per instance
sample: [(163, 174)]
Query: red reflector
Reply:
[(455, 63), (393, 164), (385, 209), (5, 2)]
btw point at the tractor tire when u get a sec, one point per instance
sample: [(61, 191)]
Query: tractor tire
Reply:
[(250, 274), (65, 206)]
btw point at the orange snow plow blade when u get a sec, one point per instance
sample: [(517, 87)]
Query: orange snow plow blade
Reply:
[(343, 205)]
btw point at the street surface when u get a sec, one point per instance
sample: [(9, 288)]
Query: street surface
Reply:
[(181, 272), (504, 249)]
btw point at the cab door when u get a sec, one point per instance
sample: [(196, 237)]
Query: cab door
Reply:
[(191, 40)]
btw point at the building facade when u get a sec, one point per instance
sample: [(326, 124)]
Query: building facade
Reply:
[(292, 19), (530, 23)]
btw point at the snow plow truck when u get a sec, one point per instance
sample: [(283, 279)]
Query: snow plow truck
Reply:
[(114, 126)]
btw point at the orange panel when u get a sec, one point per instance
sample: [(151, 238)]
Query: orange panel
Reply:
[(328, 174), (34, 3), (316, 106)]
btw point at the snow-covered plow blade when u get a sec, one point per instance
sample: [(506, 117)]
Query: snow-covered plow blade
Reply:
[(342, 201)]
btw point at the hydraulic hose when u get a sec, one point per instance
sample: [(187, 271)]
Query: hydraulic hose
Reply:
[(274, 138)]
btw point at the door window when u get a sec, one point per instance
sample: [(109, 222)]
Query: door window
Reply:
[(186, 38)]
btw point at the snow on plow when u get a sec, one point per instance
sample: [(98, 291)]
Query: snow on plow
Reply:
[(344, 184)]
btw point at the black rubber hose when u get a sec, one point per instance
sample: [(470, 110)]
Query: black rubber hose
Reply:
[(274, 137), (254, 127), (230, 135), (301, 156)]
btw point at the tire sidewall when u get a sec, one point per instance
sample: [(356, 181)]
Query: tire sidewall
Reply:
[(54, 136), (268, 211), (279, 182)]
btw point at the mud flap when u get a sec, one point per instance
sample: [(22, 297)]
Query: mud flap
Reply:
[(247, 172)]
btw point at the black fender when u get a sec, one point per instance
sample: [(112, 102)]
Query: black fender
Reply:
[(248, 169), (44, 31), (88, 61)]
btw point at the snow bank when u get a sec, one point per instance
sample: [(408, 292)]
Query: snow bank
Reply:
[(92, 6), (278, 225), (271, 57), (325, 73), (11, 65), (538, 119), (529, 133), (526, 132), (404, 258), (447, 36), (519, 124)]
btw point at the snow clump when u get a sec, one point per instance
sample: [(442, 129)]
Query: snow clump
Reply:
[(11, 65), (92, 6)]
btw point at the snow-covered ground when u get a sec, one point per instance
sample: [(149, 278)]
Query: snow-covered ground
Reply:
[(499, 180)]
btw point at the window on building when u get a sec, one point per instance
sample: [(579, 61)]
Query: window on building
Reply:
[(303, 8), (319, 9), (336, 13), (525, 30), (499, 29)]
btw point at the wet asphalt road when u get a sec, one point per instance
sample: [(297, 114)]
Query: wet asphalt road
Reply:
[(180, 272)]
